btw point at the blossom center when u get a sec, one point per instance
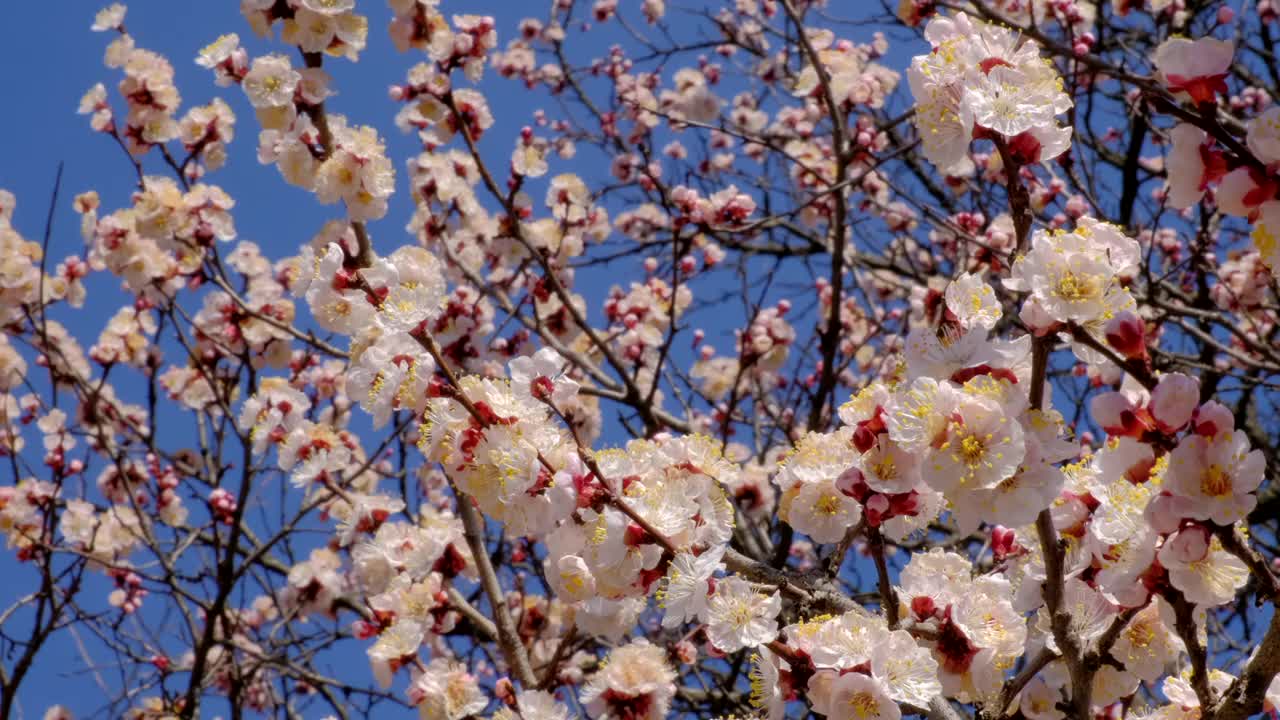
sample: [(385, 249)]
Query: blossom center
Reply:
[(1140, 635), (864, 705), (827, 504), (886, 469), (972, 448), (740, 616), (1076, 288), (1215, 482)]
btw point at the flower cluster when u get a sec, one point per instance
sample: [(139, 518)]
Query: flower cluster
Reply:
[(147, 87), (1243, 185), (959, 425), (635, 682), (314, 26), (854, 76), (1076, 277), (982, 81), (1017, 380)]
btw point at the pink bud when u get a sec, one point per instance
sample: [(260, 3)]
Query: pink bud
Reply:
[(1165, 512), (1190, 545), (686, 652), (650, 264), (505, 691), (1036, 319), (850, 482), (1174, 400), (1003, 542), (1226, 14), (923, 607), (1213, 418), (877, 507), (1069, 513), (1108, 410), (1126, 333)]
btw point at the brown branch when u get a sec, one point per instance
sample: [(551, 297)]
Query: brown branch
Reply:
[(1024, 676), (1185, 625), (829, 340), (1244, 697), (888, 596), (513, 651)]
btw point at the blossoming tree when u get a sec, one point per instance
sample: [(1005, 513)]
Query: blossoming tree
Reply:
[(953, 397)]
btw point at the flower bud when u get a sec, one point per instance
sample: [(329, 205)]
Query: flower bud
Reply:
[(1165, 512), (1189, 545), (686, 652), (1036, 319), (877, 508), (1109, 409), (923, 607), (1003, 542), (505, 691), (1174, 400), (576, 581), (851, 483), (1126, 333), (1213, 418)]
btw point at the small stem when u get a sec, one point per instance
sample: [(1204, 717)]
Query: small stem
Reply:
[(888, 596), (364, 247), (1185, 625), (513, 651)]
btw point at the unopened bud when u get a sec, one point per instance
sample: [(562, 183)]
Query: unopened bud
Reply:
[(1127, 334), (505, 691), (1174, 400)]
